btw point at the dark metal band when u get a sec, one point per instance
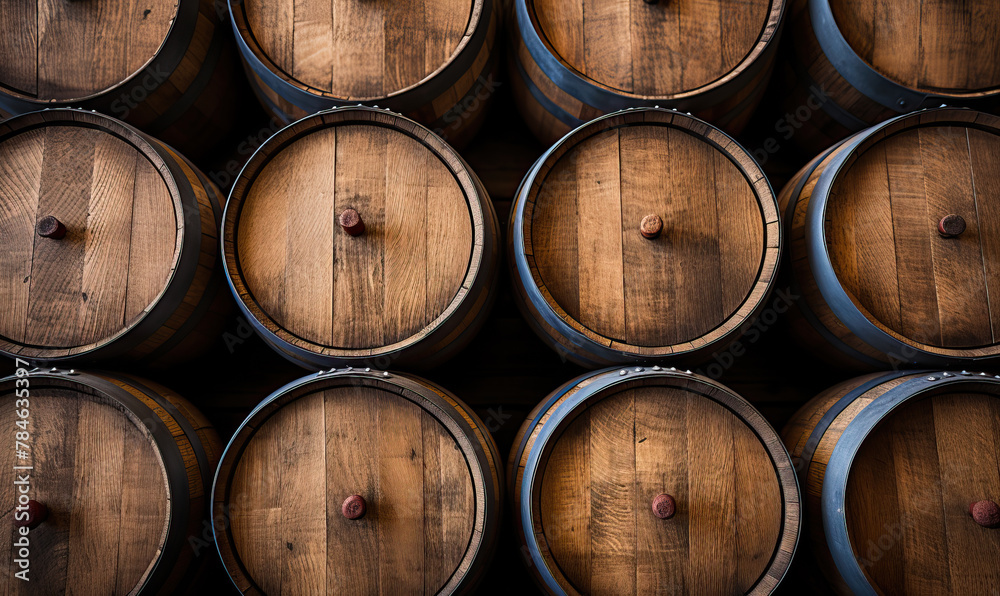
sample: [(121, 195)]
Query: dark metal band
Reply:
[(833, 500), (543, 100)]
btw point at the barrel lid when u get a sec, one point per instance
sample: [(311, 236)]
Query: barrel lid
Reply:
[(358, 479), (117, 205), (908, 495), (645, 480), (354, 50), (74, 50), (95, 467), (301, 273), (883, 230), (932, 46), (695, 283), (658, 49)]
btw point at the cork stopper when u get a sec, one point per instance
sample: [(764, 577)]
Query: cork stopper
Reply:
[(951, 226), (50, 227), (354, 507), (651, 226), (351, 221), (664, 506), (37, 512), (986, 513)]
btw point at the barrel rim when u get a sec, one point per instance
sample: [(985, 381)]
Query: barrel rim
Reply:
[(614, 350), (865, 78), (477, 200), (846, 307), (833, 498), (461, 423), (170, 52), (187, 243), (164, 448), (263, 65), (599, 94), (526, 460)]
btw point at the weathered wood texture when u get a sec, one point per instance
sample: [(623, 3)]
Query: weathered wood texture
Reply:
[(167, 68), (123, 466), (135, 275), (911, 483), (414, 286), (580, 262), (585, 477), (425, 465), (433, 60), (929, 295), (573, 61), (944, 50)]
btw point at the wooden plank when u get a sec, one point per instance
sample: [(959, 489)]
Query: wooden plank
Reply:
[(153, 239), (986, 184), (359, 43), (608, 59), (449, 237), (352, 420), (711, 498), (19, 46), (358, 292), (758, 507), (108, 238), (661, 466), (20, 181), (701, 32), (311, 42), (612, 494), (599, 239), (554, 239), (741, 233), (302, 499), (565, 501)]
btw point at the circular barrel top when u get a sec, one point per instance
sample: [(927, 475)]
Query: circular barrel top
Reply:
[(115, 237), (586, 214), (290, 246), (935, 46), (913, 230), (654, 49), (353, 49), (359, 480), (645, 480), (910, 487), (74, 50), (102, 480)]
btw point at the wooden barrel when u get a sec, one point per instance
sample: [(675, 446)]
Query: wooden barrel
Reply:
[(649, 481), (645, 235), (112, 490), (900, 481), (357, 236), (387, 483), (433, 61), (570, 62), (857, 63), (895, 242), (167, 68), (108, 246)]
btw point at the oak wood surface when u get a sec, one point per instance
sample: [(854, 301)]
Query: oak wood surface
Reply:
[(931, 45), (121, 245), (652, 50), (69, 50), (357, 50)]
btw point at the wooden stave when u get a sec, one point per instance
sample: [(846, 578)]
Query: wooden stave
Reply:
[(168, 334), (553, 109), (197, 116), (812, 425), (190, 448), (842, 332), (425, 102), (446, 403), (848, 108), (567, 341), (429, 351), (572, 395)]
